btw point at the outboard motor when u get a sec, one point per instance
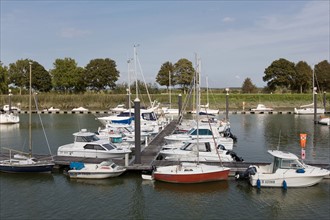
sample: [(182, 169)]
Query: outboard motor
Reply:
[(227, 133), (243, 175), (234, 156)]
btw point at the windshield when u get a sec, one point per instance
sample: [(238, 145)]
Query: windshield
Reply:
[(109, 146)]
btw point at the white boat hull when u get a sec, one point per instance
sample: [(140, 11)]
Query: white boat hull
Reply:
[(95, 171), (308, 111), (9, 118)]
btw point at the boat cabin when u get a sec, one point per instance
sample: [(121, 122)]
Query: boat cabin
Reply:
[(284, 160)]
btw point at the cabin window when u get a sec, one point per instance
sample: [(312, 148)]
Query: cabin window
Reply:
[(109, 146), (187, 147), (98, 147), (202, 132), (287, 164), (89, 147)]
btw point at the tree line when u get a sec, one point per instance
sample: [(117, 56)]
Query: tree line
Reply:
[(102, 74)]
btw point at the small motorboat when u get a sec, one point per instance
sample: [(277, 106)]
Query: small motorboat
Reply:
[(287, 170), (324, 120), (102, 170), (208, 151), (262, 108), (51, 109), (80, 109)]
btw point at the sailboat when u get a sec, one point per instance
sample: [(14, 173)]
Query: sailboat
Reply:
[(7, 115), (309, 109), (191, 172), (24, 162)]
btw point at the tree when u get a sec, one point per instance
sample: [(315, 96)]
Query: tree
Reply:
[(248, 87), (101, 73), (322, 73), (303, 77), (163, 76), (3, 79), (41, 79), (280, 73), (184, 73), (67, 76), (19, 73)]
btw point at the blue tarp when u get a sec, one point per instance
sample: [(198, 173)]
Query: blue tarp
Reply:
[(76, 165)]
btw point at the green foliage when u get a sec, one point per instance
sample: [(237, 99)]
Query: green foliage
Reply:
[(101, 74), (322, 72), (3, 79), (41, 79), (248, 86), (281, 73), (67, 76), (19, 73), (184, 73), (163, 77), (302, 78)]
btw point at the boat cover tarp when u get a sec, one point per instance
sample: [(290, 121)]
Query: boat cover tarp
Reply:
[(76, 165)]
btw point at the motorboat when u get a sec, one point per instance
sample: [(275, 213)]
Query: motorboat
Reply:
[(262, 108), (51, 109), (286, 170), (80, 109), (190, 173), (9, 118), (207, 150), (105, 169), (324, 120), (119, 108), (119, 133), (308, 110), (87, 144), (205, 132), (8, 108), (148, 120)]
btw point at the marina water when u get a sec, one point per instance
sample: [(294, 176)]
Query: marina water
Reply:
[(44, 196)]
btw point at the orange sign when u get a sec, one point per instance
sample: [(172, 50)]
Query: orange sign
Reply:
[(303, 138)]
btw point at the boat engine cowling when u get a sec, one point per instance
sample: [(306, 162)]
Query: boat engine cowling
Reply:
[(243, 175), (234, 156)]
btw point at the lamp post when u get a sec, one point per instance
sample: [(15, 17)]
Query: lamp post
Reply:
[(9, 99), (227, 103)]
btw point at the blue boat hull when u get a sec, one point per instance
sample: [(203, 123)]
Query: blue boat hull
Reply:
[(27, 169)]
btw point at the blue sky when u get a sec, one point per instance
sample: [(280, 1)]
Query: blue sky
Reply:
[(234, 39)]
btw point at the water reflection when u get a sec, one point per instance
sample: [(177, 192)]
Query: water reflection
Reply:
[(204, 188)]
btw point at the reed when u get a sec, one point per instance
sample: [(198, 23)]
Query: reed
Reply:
[(106, 101)]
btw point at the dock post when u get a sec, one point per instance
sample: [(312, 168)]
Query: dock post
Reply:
[(325, 100), (227, 103), (315, 105), (180, 104), (137, 131)]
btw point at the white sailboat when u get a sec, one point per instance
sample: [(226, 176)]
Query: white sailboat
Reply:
[(309, 109), (24, 162), (193, 172)]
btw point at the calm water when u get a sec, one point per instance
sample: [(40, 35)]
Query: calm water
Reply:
[(129, 197)]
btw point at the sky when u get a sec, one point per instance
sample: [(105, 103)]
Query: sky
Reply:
[(234, 40)]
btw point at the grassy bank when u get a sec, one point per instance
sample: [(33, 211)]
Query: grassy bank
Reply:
[(217, 100)]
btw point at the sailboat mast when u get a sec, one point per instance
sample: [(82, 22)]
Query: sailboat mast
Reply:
[(169, 88), (197, 80), (30, 112), (136, 82)]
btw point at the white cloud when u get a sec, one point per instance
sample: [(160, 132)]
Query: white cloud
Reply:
[(228, 19)]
